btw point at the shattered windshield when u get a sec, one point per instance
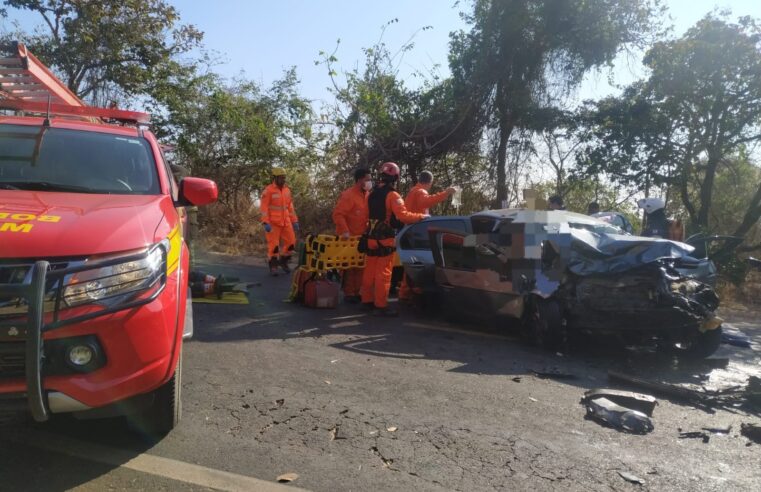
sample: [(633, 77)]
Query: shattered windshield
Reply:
[(56, 159)]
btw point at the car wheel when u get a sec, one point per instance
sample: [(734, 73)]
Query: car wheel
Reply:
[(547, 328), (701, 345), (165, 413)]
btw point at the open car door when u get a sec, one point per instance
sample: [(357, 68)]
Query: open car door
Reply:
[(471, 271)]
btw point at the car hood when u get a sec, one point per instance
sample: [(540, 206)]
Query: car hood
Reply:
[(592, 253), (42, 225)]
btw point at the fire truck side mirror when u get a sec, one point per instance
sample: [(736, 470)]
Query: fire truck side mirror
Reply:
[(197, 192)]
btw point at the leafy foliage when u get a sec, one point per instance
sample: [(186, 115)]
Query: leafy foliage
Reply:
[(520, 57), (378, 118), (236, 133), (108, 48), (700, 107)]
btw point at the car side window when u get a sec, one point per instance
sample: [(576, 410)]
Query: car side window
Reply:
[(483, 225), (416, 237), (456, 255)]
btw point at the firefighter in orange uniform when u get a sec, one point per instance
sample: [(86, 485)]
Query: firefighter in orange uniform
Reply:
[(419, 201), (350, 217), (279, 220), (387, 213)]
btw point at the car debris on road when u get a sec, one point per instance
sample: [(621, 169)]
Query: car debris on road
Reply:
[(616, 416), (748, 396), (631, 478), (752, 432), (636, 401)]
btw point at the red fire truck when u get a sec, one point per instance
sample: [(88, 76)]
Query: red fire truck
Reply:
[(93, 264)]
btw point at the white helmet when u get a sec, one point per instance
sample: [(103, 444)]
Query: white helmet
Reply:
[(651, 204)]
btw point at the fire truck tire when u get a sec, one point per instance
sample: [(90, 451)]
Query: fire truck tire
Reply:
[(165, 413)]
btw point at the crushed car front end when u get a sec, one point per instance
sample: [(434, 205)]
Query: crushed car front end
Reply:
[(653, 301)]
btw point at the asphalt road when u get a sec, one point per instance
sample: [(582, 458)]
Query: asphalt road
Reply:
[(351, 402)]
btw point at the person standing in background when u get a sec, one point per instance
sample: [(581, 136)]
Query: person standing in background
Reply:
[(280, 221), (387, 213), (419, 201), (350, 216)]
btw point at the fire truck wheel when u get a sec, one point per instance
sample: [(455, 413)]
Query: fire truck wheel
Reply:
[(164, 414)]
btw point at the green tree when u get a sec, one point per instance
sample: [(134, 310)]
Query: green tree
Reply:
[(700, 107), (234, 133), (378, 118), (521, 56), (108, 48)]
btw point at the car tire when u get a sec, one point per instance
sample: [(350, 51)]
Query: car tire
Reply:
[(547, 328), (165, 412), (702, 345)]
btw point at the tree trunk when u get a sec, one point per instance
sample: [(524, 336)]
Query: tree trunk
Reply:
[(749, 220), (505, 130), (706, 191)]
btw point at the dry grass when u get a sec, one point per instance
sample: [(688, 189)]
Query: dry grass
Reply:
[(743, 301), (238, 233), (241, 233)]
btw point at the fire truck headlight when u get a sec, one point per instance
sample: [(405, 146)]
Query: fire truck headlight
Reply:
[(116, 280), (80, 355)]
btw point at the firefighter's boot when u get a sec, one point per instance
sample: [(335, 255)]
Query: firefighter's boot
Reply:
[(273, 266), (284, 264)]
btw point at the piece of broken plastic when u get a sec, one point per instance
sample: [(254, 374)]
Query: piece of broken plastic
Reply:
[(733, 336), (628, 399), (604, 410)]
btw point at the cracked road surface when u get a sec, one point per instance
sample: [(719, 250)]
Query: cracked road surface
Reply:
[(350, 402)]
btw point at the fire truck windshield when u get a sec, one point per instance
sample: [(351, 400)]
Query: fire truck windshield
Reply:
[(56, 159)]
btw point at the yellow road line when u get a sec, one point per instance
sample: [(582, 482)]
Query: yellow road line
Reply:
[(461, 331)]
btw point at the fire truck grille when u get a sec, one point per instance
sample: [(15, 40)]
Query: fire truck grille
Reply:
[(12, 360), (16, 272)]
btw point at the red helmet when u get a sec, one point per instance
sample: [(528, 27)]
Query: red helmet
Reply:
[(390, 168)]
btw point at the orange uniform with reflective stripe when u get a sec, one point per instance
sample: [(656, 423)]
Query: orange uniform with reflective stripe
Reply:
[(277, 211), (277, 206), (419, 201), (376, 279), (351, 215)]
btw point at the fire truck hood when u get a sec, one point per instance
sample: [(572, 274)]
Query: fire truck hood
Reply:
[(47, 225)]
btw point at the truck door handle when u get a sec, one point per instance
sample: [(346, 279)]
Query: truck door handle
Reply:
[(447, 285)]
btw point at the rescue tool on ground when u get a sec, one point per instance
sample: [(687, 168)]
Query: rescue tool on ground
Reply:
[(94, 297)]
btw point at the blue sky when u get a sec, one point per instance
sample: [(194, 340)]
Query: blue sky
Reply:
[(260, 39)]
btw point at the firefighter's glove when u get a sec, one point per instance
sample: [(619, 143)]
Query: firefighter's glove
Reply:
[(267, 227), (296, 226)]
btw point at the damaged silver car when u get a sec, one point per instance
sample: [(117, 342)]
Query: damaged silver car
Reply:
[(560, 272)]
